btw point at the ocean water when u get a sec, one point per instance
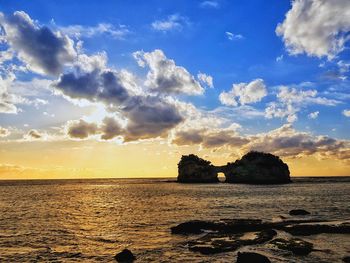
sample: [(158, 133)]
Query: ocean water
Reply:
[(92, 220)]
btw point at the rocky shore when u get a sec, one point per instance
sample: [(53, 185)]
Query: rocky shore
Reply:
[(233, 234)]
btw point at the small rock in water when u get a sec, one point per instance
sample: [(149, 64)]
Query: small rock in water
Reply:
[(295, 245), (298, 212), (126, 256), (346, 259), (251, 257)]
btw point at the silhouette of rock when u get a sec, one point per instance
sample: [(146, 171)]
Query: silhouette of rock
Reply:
[(295, 245), (258, 168), (253, 168), (126, 256), (298, 212), (193, 169), (251, 257)]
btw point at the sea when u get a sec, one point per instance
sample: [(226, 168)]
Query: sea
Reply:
[(91, 220)]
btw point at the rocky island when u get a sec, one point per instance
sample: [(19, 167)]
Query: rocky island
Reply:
[(253, 168)]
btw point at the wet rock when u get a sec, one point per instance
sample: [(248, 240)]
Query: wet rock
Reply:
[(213, 243), (346, 259), (251, 257), (298, 212), (126, 256), (223, 226), (295, 245), (194, 227), (314, 229)]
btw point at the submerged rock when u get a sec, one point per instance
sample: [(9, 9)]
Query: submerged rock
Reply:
[(314, 229), (251, 257), (126, 256), (192, 169), (298, 212), (295, 245), (253, 168)]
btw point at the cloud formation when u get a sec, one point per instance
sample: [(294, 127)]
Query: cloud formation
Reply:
[(346, 113), (205, 79), (209, 138), (316, 27), (291, 100), (146, 116), (172, 22), (231, 36), (209, 4), (245, 93), (79, 31), (287, 142), (81, 129), (43, 51), (165, 76), (4, 132)]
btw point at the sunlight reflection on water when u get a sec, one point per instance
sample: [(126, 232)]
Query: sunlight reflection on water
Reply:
[(89, 221)]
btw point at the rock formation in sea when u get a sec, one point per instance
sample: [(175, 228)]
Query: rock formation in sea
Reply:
[(193, 169), (252, 168)]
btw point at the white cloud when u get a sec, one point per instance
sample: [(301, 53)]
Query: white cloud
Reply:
[(173, 22), (346, 113), (205, 79), (209, 4), (291, 100), (316, 27), (314, 115), (245, 93), (165, 76), (279, 58), (232, 36), (79, 31)]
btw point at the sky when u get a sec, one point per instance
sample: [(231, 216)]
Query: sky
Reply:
[(97, 89)]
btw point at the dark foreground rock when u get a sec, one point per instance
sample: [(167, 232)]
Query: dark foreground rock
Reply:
[(251, 257), (223, 226), (253, 168), (298, 212), (126, 256), (295, 245), (230, 234)]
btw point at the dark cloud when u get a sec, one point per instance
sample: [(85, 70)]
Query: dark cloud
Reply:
[(43, 50), (81, 129), (150, 116), (209, 139), (97, 85), (110, 128)]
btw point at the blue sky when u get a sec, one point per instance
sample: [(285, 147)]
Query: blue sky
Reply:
[(266, 66)]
